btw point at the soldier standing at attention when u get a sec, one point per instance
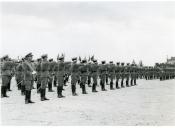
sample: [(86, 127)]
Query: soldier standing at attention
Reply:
[(94, 71), (6, 74), (19, 74), (127, 74), (28, 77), (44, 76), (111, 70), (117, 73), (122, 74), (60, 69), (74, 76), (51, 74), (102, 71), (83, 74)]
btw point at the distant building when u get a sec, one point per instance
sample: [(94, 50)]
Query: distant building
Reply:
[(171, 60)]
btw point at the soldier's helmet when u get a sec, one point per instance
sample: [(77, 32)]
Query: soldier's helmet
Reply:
[(61, 58), (44, 56), (128, 64), (118, 63), (103, 62), (74, 59), (111, 62), (122, 64), (29, 55), (50, 60)]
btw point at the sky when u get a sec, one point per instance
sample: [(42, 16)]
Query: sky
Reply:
[(118, 31)]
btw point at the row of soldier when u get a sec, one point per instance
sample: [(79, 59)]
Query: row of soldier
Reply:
[(45, 72)]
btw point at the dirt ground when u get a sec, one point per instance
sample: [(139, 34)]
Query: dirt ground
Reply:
[(151, 102)]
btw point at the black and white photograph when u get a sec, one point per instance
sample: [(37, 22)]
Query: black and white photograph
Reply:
[(87, 63)]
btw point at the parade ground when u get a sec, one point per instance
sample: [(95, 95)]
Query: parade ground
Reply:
[(151, 102)]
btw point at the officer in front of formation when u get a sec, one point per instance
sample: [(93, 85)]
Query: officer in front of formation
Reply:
[(94, 74), (74, 75), (44, 76), (28, 77), (111, 71)]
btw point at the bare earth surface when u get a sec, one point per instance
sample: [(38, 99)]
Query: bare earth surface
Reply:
[(151, 102)]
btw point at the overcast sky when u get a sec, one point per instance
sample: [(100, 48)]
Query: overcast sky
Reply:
[(118, 31)]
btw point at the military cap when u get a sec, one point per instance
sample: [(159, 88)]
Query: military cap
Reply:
[(103, 62), (44, 56), (28, 55), (84, 61), (94, 61), (111, 62), (4, 57), (123, 63), (128, 63), (50, 60), (74, 58), (39, 59), (61, 58), (118, 63)]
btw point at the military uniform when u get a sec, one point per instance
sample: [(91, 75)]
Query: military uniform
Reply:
[(74, 75), (44, 77), (111, 70), (122, 74), (38, 76), (6, 74), (117, 73), (51, 74), (28, 78), (83, 76), (102, 72), (19, 75), (127, 74), (60, 72), (94, 73)]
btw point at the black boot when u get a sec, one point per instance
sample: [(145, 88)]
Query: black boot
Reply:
[(23, 90), (44, 94), (122, 84), (38, 87), (131, 82), (111, 86), (94, 88), (50, 87), (3, 92), (84, 89), (135, 82), (116, 84), (8, 87), (26, 97), (29, 97), (74, 90), (61, 89), (127, 83), (55, 83)]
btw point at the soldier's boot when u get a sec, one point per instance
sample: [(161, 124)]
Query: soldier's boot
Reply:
[(29, 97), (50, 87), (131, 82), (111, 86), (122, 86), (107, 81), (38, 87), (135, 82), (94, 88), (127, 85), (54, 83), (26, 97), (8, 87), (44, 94), (59, 91), (84, 89), (116, 84), (5, 92), (22, 90), (89, 82), (74, 90)]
